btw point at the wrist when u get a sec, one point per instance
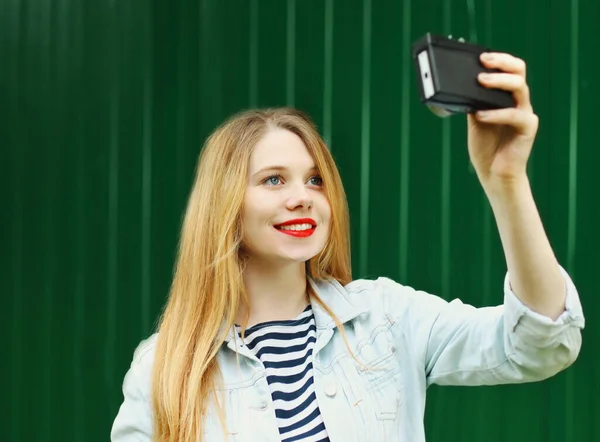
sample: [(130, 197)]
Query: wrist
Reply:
[(507, 190)]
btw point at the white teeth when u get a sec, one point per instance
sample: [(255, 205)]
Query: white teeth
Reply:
[(296, 227)]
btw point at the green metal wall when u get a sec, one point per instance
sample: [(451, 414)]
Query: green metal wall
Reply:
[(105, 104)]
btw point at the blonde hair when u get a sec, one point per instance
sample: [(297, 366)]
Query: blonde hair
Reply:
[(207, 287)]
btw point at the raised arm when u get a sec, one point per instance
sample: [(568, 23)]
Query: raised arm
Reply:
[(500, 142), (536, 332)]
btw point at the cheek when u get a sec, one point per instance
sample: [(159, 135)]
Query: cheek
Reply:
[(255, 214), (325, 209), (325, 215), (248, 222), (252, 234)]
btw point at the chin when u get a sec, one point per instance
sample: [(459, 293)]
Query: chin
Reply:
[(299, 256), (280, 253)]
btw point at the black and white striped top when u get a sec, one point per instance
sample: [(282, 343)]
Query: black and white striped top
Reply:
[(285, 348)]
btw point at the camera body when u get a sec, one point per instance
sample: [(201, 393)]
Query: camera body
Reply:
[(447, 73)]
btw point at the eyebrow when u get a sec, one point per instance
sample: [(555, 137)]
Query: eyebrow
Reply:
[(280, 168)]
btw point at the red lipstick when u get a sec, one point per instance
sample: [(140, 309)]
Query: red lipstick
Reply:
[(298, 233)]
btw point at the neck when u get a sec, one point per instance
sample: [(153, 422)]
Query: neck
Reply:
[(274, 293)]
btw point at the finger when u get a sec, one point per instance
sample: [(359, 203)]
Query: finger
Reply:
[(509, 82), (504, 62), (523, 121)]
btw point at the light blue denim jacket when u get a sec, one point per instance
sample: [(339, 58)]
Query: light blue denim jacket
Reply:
[(407, 340)]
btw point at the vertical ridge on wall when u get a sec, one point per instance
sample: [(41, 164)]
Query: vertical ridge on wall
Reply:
[(47, 36), (146, 166), (569, 405), (564, 150), (12, 73), (16, 313), (78, 409), (113, 204), (290, 53), (253, 53), (405, 134), (328, 71), (182, 111), (445, 189), (573, 134), (365, 146)]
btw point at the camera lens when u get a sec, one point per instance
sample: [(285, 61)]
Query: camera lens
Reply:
[(439, 111)]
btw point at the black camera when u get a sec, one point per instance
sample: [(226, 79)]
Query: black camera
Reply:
[(447, 71)]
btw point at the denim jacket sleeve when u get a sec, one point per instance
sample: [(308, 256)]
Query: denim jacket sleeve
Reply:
[(133, 422), (459, 344)]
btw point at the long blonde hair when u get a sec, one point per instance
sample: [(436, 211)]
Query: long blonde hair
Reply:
[(207, 287)]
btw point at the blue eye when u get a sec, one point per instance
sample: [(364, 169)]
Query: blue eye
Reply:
[(316, 181), (273, 180)]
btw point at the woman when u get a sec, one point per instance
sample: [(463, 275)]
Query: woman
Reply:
[(266, 338)]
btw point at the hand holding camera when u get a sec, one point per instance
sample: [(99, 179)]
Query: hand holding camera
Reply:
[(491, 87)]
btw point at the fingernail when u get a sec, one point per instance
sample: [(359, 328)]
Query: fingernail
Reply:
[(485, 77), (486, 56), (483, 114)]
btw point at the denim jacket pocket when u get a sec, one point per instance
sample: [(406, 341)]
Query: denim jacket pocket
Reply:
[(377, 382), (379, 375), (382, 381)]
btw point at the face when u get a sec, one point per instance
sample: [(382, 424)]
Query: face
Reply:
[(286, 215)]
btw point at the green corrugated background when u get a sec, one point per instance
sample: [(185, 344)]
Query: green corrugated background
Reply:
[(105, 104)]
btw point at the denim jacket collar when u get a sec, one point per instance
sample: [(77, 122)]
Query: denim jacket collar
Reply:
[(333, 295)]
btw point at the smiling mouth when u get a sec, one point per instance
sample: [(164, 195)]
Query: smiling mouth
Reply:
[(301, 230)]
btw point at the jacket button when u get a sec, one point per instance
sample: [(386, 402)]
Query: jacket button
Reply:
[(331, 390)]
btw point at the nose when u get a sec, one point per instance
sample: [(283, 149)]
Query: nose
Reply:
[(299, 197)]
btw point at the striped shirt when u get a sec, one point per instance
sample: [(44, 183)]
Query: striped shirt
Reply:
[(285, 348)]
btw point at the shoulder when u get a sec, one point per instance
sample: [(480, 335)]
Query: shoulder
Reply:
[(139, 375), (134, 418), (144, 352), (376, 287), (396, 301), (386, 291), (360, 296)]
